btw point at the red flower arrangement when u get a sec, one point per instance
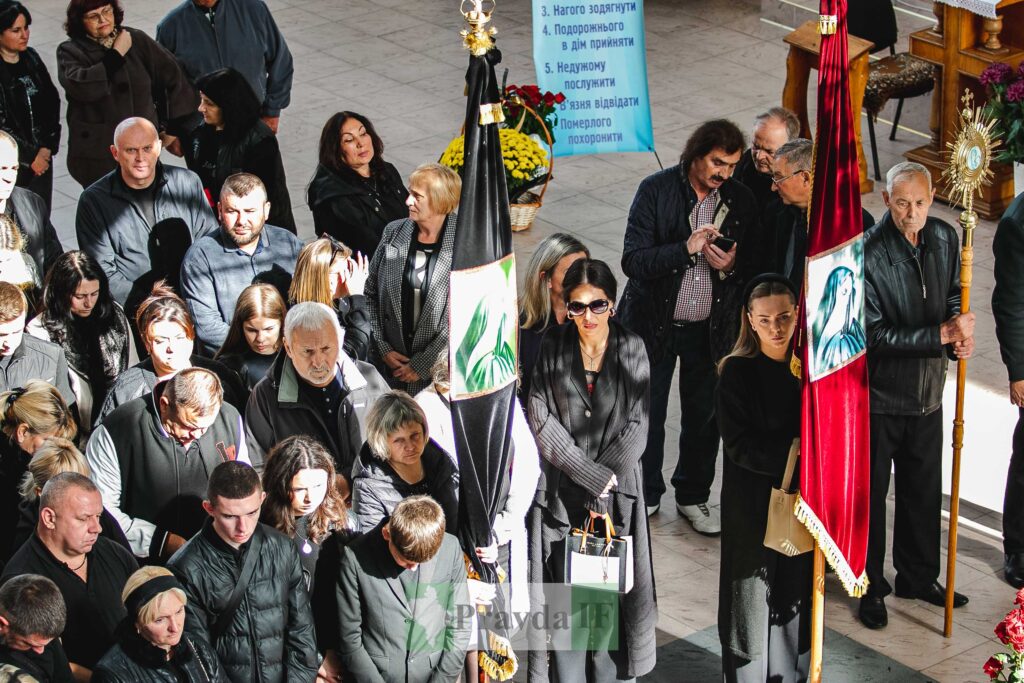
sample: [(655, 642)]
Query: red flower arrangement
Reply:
[(1009, 666), (543, 103)]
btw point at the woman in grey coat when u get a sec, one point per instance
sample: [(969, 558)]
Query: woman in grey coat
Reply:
[(111, 72), (588, 406)]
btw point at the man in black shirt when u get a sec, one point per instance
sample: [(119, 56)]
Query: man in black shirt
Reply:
[(90, 571), (772, 130), (32, 617)]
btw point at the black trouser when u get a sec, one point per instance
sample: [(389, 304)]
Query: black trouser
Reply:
[(698, 435), (913, 445), (1013, 502)]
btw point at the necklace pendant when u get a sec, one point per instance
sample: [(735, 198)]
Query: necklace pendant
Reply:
[(306, 548)]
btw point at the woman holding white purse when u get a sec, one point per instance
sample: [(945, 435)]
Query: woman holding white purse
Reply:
[(764, 596), (588, 406)]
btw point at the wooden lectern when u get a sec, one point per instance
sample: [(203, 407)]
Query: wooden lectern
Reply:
[(962, 45), (804, 53)]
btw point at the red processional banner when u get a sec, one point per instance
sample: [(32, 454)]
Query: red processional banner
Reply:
[(835, 456)]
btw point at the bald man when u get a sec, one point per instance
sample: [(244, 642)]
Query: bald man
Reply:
[(140, 210)]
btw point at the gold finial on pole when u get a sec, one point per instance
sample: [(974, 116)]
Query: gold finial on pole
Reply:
[(970, 154), (478, 39)]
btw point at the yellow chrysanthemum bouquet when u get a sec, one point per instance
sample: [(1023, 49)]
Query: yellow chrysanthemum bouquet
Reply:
[(526, 162)]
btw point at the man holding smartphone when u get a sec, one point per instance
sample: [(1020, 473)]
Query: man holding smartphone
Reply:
[(684, 231)]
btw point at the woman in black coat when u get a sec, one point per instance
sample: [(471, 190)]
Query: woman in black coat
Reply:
[(764, 596), (232, 139), (111, 72), (81, 317), (152, 646), (354, 192), (589, 404), (29, 103)]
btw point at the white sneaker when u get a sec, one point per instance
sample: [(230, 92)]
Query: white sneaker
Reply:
[(651, 509), (704, 519)]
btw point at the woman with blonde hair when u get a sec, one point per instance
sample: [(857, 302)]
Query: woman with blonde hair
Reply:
[(327, 272), (254, 337), (55, 456), (16, 266), (151, 641), (541, 305), (407, 291), (28, 416)]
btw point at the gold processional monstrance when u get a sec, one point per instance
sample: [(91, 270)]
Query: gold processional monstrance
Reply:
[(968, 170)]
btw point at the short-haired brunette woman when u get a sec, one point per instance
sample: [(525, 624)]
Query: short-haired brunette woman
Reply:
[(764, 596), (589, 404)]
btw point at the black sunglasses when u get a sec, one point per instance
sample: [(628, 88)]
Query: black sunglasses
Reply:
[(578, 308), (337, 247)]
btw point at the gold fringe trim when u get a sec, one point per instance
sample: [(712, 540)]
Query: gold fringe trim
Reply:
[(855, 585), (498, 661)]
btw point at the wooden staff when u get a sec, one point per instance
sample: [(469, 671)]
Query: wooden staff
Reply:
[(817, 614), (968, 221)]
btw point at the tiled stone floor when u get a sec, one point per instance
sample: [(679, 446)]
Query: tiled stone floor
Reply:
[(401, 63)]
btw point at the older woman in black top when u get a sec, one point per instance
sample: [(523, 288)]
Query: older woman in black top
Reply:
[(232, 139), (407, 291), (589, 406), (29, 104), (763, 595), (354, 192)]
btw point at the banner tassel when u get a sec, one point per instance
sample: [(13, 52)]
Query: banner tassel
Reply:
[(855, 586)]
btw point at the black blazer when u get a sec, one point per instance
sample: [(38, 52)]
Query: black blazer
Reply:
[(583, 437)]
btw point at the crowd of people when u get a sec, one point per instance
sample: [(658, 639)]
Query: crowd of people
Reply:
[(227, 455)]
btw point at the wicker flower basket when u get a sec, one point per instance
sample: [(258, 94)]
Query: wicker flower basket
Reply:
[(523, 213)]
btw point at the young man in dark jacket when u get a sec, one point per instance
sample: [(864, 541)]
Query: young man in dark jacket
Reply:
[(912, 311), (22, 356), (684, 256), (152, 458), (265, 634), (32, 617), (315, 389)]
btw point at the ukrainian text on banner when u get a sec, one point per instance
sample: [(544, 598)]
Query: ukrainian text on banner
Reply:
[(594, 53)]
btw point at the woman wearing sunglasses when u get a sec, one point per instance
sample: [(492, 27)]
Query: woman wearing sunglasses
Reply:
[(588, 406)]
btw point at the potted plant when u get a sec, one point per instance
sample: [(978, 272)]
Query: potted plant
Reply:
[(1006, 106), (530, 117), (1009, 665)]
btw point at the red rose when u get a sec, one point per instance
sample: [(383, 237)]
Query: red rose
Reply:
[(559, 98), (549, 98), (1011, 630), (992, 667), (1019, 600)]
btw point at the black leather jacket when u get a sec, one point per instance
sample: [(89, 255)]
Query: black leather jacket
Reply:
[(907, 297), (654, 258), (133, 660), (1008, 293)]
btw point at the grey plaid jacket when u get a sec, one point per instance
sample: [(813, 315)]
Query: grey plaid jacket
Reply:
[(384, 302)]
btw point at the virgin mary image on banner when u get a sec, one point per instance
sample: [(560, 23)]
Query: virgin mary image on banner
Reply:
[(837, 331)]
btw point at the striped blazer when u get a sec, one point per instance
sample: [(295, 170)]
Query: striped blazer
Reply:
[(384, 302)]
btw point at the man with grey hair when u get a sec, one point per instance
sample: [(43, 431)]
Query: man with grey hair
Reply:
[(152, 457), (912, 311), (32, 617), (783, 239), (89, 570), (29, 210), (245, 250), (772, 129), (314, 388), (137, 220)]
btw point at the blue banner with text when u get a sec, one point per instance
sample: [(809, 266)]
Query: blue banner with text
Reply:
[(594, 53)]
